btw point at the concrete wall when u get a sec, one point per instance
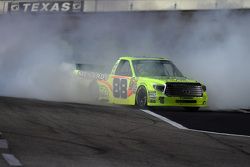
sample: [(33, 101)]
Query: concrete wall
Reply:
[(151, 5), (147, 5)]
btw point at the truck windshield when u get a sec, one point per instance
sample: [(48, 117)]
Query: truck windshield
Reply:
[(145, 68)]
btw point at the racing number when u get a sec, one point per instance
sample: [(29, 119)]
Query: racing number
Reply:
[(120, 88)]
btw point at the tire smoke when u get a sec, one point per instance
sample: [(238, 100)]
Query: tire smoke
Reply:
[(37, 53)]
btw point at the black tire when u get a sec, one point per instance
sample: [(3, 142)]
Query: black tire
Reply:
[(192, 108), (141, 97)]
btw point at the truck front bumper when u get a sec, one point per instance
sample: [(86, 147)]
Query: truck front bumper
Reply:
[(163, 100)]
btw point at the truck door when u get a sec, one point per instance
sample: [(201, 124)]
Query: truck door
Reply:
[(120, 81)]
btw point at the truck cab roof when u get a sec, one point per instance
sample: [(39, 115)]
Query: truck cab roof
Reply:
[(141, 58)]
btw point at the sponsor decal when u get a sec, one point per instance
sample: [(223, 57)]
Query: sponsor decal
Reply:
[(133, 85), (152, 94), (106, 84), (152, 101), (104, 92), (46, 7), (92, 75)]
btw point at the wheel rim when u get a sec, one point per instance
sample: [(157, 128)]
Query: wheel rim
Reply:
[(142, 98)]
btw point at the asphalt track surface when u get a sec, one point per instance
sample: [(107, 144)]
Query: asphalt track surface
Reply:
[(53, 134), (229, 122)]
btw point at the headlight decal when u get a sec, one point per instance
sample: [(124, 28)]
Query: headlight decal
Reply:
[(204, 88), (160, 88)]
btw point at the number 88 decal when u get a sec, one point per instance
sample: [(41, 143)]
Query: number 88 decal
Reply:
[(120, 88)]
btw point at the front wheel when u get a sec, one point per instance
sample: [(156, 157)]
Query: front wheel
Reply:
[(141, 97)]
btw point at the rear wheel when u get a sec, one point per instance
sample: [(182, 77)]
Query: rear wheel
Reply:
[(141, 97)]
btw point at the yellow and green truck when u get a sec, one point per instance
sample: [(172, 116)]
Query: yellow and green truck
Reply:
[(149, 82)]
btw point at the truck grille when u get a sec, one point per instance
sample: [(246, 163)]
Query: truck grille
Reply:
[(183, 89)]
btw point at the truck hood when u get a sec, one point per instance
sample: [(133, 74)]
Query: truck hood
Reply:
[(164, 79)]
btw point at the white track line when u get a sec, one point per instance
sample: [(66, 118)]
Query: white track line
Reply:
[(179, 126), (11, 159), (3, 144), (175, 124), (244, 111)]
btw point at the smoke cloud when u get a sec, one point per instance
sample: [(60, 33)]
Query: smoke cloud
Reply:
[(34, 60), (37, 53)]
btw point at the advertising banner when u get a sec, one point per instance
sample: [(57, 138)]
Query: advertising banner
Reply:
[(45, 7)]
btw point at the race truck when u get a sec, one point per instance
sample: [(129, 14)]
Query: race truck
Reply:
[(149, 82)]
